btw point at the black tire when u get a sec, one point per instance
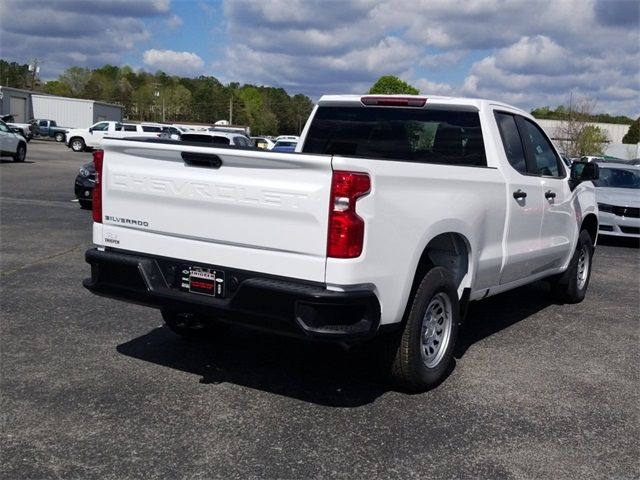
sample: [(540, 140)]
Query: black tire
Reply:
[(59, 137), (77, 144), (571, 286), (192, 326), (21, 153), (85, 204), (420, 356)]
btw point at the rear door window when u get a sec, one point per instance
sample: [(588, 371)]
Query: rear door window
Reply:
[(547, 162), (511, 141), (404, 134)]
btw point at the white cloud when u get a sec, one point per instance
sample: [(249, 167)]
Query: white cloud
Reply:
[(174, 22), (434, 88), (529, 53), (82, 33), (177, 63)]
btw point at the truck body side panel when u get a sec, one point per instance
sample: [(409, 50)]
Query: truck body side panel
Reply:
[(409, 205)]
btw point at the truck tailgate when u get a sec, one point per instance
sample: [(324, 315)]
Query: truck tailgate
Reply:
[(258, 211)]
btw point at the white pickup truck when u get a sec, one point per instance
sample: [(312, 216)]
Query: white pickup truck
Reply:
[(80, 139), (392, 215)]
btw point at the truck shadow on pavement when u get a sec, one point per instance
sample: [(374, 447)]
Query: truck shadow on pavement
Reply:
[(318, 373), (494, 314)]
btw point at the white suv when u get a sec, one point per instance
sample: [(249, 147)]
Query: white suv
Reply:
[(218, 138), (12, 144)]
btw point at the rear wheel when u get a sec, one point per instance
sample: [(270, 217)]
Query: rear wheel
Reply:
[(421, 355), (77, 145), (85, 204), (193, 326), (571, 286), (21, 153), (59, 137)]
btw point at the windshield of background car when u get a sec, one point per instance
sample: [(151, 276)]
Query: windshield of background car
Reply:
[(407, 134), (195, 137), (618, 178), (282, 143)]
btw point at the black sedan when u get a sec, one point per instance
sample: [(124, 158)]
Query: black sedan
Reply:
[(85, 181)]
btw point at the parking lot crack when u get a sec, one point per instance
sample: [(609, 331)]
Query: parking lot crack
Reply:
[(42, 260)]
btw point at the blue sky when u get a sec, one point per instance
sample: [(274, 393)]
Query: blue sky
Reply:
[(528, 53)]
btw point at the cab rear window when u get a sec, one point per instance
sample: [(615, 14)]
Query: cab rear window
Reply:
[(416, 135)]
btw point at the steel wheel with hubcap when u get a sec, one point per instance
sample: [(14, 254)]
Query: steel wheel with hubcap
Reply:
[(436, 330), (77, 145), (584, 266), (420, 356), (571, 286)]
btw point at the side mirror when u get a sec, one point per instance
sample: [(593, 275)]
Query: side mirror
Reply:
[(90, 129), (583, 172)]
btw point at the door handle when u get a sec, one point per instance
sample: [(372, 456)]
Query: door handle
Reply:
[(549, 195), (519, 194), (201, 159)]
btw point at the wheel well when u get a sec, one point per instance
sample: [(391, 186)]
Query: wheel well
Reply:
[(448, 250), (590, 224)]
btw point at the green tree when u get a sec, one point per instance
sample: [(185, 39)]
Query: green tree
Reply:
[(591, 141), (633, 135), (14, 75), (576, 134), (76, 78), (389, 84), (561, 113), (54, 87)]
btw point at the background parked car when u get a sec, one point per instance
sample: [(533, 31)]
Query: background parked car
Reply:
[(172, 132), (12, 144), (618, 195), (218, 138), (285, 146), (293, 138), (263, 143), (25, 128), (49, 128), (84, 184)]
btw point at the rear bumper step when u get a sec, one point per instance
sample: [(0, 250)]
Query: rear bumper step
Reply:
[(286, 306)]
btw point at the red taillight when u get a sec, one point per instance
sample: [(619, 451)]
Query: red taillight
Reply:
[(98, 156), (394, 101), (346, 228)]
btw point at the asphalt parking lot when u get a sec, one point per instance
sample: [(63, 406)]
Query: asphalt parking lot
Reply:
[(94, 388)]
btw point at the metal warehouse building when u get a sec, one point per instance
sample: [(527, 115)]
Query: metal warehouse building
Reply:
[(68, 112)]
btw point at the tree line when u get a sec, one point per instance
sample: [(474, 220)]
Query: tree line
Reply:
[(267, 110), (172, 99), (563, 113)]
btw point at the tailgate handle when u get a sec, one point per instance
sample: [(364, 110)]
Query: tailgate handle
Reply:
[(201, 159)]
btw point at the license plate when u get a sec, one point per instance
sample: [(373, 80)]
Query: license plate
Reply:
[(203, 281)]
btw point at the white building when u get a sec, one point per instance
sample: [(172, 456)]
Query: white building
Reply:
[(615, 132), (67, 112)]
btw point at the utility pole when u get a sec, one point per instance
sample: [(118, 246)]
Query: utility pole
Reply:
[(231, 110)]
